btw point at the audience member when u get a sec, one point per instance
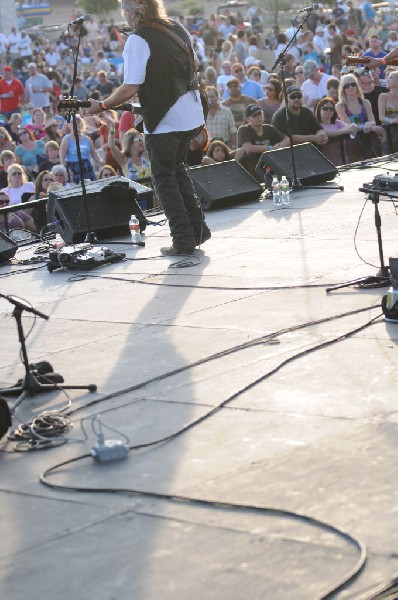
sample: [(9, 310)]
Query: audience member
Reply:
[(18, 219), (354, 108), (51, 150), (237, 102), (107, 171), (370, 91), (37, 127), (332, 88), (273, 99), (12, 93), (303, 124), (7, 158), (198, 147), (18, 183), (225, 76), (132, 158), (375, 51), (335, 43), (6, 142), (217, 152), (388, 113), (37, 87), (220, 121), (325, 112), (39, 213), (256, 137), (60, 175), (13, 126), (68, 153), (28, 150), (248, 87), (314, 86)]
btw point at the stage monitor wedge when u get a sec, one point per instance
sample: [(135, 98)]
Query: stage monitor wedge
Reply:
[(312, 167), (8, 248), (111, 202), (224, 184)]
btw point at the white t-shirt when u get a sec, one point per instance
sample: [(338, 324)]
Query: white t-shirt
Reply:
[(186, 114), (15, 194), (314, 91)]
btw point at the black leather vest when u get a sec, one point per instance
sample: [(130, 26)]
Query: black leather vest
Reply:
[(169, 73)]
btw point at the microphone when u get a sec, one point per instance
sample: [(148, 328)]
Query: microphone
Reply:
[(310, 8), (80, 20)]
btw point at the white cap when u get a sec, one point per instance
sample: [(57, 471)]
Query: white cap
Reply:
[(250, 61)]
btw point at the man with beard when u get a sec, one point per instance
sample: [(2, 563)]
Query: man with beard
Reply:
[(303, 124), (237, 102)]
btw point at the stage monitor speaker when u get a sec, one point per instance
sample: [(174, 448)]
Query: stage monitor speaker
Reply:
[(111, 202), (224, 184), (312, 166), (7, 248)]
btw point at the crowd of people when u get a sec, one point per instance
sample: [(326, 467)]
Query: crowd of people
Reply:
[(344, 110)]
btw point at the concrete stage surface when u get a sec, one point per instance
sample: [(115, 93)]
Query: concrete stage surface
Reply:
[(290, 471)]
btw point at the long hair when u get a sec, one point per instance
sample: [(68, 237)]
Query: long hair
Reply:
[(39, 182), (145, 10), (16, 167), (349, 79), (214, 144), (322, 102), (128, 140)]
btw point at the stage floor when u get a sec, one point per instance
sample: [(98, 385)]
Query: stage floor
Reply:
[(294, 391)]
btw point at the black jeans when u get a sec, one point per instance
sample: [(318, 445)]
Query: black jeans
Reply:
[(174, 189)]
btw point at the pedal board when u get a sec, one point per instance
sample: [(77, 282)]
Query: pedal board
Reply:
[(81, 257), (385, 182)]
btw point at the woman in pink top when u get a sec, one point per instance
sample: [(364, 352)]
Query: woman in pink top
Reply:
[(325, 112)]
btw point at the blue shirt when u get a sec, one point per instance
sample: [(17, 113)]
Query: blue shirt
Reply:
[(249, 88)]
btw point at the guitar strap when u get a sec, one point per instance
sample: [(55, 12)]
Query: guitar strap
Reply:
[(186, 47), (195, 83)]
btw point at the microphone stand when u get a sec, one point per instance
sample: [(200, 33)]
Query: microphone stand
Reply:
[(90, 235), (38, 377), (281, 60)]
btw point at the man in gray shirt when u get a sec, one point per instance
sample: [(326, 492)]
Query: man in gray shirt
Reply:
[(37, 87)]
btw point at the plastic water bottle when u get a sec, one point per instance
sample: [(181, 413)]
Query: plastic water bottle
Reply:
[(285, 191), (353, 134), (134, 225), (276, 191)]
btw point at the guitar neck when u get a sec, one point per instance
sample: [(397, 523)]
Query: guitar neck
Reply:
[(73, 105), (364, 60)]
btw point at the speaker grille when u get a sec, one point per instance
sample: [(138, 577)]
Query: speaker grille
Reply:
[(224, 184), (110, 204), (7, 248), (312, 166)]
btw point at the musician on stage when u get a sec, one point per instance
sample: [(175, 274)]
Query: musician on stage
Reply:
[(161, 71)]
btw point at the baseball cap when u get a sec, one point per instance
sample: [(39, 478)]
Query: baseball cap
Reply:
[(7, 68), (31, 64), (309, 67), (250, 61), (319, 29), (292, 89), (252, 109)]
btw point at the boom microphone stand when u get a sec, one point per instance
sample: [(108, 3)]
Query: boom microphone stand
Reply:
[(382, 277), (31, 384), (296, 184), (90, 235)]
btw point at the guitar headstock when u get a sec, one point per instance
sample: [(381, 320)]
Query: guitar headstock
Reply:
[(357, 60), (68, 105)]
